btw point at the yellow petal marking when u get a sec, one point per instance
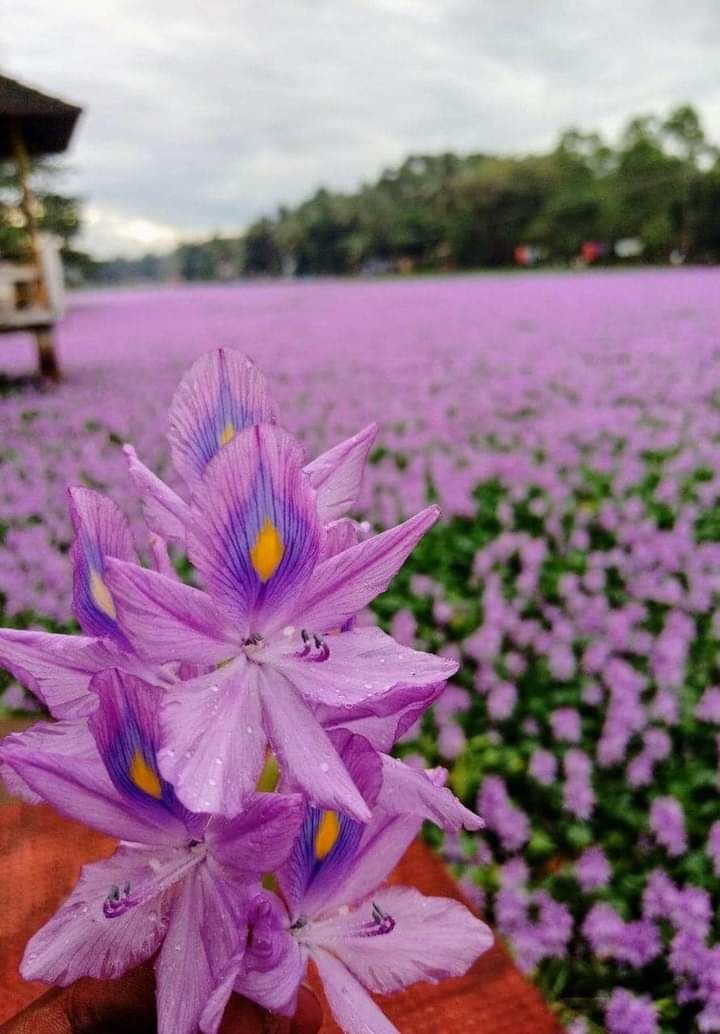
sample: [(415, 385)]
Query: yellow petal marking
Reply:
[(327, 833), (144, 777), (268, 551), (101, 595), (228, 433)]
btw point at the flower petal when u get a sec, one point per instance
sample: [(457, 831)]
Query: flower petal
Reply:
[(362, 663), (344, 584), (382, 720), (407, 790), (325, 851), (336, 475), (56, 668), (159, 556), (126, 727), (400, 937), (350, 1004), (339, 535), (260, 839), (268, 972), (383, 842), (205, 931), (81, 941), (221, 395), (165, 619), (307, 757), (53, 761), (101, 530), (255, 535), (164, 511), (69, 738), (214, 742)]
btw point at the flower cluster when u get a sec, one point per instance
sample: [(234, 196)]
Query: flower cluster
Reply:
[(239, 730)]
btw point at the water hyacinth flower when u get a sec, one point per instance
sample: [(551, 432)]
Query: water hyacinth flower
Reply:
[(363, 937), (627, 1013), (58, 668), (180, 884), (222, 394), (667, 823), (592, 869), (167, 705), (270, 628)]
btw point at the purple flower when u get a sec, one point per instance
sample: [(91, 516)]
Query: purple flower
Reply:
[(565, 723), (501, 701), (364, 938), (578, 794), (58, 668), (543, 766), (708, 706), (222, 394), (501, 816), (451, 740), (403, 627), (610, 937), (626, 1013), (177, 879), (592, 869), (269, 629), (667, 824)]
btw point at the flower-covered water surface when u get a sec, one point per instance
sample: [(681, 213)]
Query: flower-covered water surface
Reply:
[(569, 428)]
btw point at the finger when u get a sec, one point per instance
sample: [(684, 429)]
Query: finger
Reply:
[(309, 1016), (46, 1015), (244, 1017), (114, 1006), (92, 1007), (117, 1006)]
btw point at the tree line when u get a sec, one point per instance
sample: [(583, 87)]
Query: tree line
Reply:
[(655, 192)]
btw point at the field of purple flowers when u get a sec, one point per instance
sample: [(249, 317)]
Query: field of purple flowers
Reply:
[(569, 426)]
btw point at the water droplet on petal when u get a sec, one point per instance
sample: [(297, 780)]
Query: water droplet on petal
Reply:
[(250, 729), (218, 761), (324, 767)]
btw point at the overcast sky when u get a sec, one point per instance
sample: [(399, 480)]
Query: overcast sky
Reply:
[(202, 114)]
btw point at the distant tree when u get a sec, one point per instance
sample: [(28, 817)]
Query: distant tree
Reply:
[(660, 183), (262, 255)]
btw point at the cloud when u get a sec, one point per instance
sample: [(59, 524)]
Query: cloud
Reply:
[(107, 233), (200, 117)]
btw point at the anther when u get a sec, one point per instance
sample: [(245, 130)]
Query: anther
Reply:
[(117, 902), (314, 647)]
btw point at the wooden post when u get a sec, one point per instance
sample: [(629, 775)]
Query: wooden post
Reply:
[(47, 358)]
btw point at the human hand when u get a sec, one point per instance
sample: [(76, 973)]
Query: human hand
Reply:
[(128, 1004)]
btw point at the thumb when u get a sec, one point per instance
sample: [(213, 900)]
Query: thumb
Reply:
[(244, 1017), (128, 1004), (92, 1006)]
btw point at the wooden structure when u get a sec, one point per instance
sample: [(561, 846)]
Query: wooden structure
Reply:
[(32, 124)]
